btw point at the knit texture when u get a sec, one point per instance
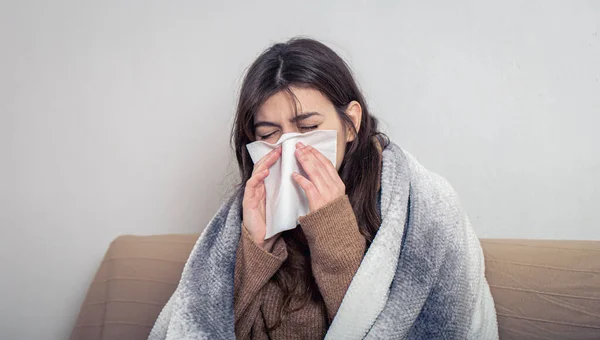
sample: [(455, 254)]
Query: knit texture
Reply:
[(336, 249), (422, 277)]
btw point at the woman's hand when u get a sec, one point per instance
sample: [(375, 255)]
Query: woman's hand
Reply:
[(254, 202), (323, 184)]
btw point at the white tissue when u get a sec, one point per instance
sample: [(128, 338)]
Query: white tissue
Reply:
[(286, 200)]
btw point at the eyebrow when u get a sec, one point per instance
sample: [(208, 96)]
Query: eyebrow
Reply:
[(300, 117)]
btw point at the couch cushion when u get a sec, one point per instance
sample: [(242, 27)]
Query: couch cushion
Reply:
[(545, 289), (542, 289), (135, 280)]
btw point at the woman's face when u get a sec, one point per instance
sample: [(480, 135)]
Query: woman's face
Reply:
[(276, 116)]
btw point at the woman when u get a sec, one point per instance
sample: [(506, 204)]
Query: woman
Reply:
[(385, 251)]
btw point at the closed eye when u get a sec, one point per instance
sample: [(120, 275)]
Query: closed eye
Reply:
[(306, 128), (309, 127), (267, 136)]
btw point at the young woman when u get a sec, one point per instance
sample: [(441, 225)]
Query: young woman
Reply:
[(385, 251), (292, 284)]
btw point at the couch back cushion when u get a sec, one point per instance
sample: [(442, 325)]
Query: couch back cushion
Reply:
[(542, 289), (135, 280), (545, 289)]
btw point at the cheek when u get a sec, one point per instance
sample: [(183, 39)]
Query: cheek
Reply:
[(333, 123), (341, 148)]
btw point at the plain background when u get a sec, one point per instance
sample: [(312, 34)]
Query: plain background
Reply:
[(115, 118)]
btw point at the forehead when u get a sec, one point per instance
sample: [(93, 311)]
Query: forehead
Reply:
[(281, 104)]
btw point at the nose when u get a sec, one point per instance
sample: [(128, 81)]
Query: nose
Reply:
[(288, 128)]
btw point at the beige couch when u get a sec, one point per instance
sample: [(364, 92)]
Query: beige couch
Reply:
[(542, 289)]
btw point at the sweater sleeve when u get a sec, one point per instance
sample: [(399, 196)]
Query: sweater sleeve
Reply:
[(336, 249), (254, 267)]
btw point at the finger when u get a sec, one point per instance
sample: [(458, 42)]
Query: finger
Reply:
[(320, 161), (316, 172), (255, 187), (266, 157), (306, 185), (268, 160), (331, 170), (255, 180)]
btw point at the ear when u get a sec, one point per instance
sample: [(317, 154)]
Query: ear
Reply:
[(354, 111)]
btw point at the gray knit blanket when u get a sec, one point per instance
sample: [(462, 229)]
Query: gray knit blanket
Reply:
[(422, 277)]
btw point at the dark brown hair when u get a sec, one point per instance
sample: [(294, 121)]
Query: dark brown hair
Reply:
[(307, 63)]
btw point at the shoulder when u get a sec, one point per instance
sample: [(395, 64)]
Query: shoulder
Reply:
[(435, 204), (431, 187), (426, 186)]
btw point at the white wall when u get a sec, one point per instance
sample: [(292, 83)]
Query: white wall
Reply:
[(115, 118)]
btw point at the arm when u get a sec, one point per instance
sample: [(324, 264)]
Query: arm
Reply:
[(253, 269), (459, 304), (336, 249)]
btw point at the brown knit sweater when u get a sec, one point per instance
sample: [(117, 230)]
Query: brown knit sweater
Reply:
[(336, 248)]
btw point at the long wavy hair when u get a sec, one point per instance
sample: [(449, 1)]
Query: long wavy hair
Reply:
[(307, 63)]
